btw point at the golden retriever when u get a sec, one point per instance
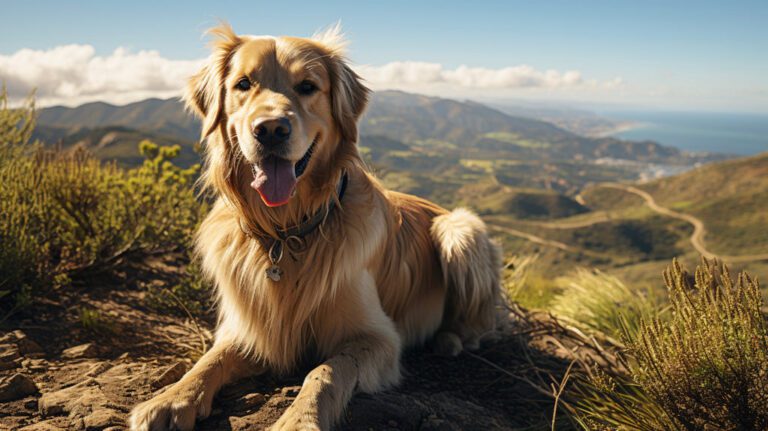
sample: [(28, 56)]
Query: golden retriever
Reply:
[(310, 255)]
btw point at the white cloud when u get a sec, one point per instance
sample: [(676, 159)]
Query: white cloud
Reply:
[(403, 74), (74, 74)]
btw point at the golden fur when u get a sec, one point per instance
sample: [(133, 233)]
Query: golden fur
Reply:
[(384, 271)]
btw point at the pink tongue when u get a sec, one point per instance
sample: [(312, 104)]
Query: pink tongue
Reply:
[(275, 180)]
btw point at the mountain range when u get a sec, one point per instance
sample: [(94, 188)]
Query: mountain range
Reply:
[(420, 124)]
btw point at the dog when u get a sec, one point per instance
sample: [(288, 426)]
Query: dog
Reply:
[(311, 257)]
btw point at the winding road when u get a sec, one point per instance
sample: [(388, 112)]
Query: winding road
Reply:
[(697, 237)]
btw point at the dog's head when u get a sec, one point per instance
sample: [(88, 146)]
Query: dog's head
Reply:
[(282, 110)]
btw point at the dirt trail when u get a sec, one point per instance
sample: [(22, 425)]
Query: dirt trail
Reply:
[(543, 241), (596, 218), (697, 237)]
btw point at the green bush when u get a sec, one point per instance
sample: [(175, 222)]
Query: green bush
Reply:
[(66, 215), (703, 367)]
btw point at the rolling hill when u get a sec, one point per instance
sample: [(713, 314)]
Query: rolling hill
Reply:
[(728, 197), (427, 125), (163, 117)]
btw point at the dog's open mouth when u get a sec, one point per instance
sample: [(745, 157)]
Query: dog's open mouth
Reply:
[(275, 177)]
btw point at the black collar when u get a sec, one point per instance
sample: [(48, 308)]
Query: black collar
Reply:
[(293, 237), (310, 224)]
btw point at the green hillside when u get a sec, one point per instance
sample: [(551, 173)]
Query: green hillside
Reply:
[(728, 197), (523, 204)]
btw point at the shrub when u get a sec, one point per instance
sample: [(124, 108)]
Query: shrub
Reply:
[(705, 367), (66, 215)]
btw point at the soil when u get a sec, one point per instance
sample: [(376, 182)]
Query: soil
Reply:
[(60, 370)]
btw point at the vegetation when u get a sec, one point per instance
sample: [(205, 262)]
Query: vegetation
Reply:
[(67, 216), (726, 196), (703, 365), (529, 205), (600, 302)]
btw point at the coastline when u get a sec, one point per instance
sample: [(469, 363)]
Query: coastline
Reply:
[(619, 127)]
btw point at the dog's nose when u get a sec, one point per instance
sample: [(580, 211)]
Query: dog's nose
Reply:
[(272, 131)]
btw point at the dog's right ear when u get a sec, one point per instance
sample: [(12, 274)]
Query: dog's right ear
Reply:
[(206, 90)]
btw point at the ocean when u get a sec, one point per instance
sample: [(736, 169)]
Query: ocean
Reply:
[(742, 134)]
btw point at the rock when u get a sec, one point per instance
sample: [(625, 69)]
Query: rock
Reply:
[(50, 425), (58, 402), (237, 423), (9, 355), (16, 386), (170, 375), (34, 365), (97, 369), (87, 350), (253, 400), (26, 345), (290, 391), (103, 418)]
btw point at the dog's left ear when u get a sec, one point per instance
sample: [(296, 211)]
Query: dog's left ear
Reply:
[(349, 96), (349, 99), (206, 90)]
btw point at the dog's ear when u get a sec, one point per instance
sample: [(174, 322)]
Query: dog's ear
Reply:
[(206, 90), (349, 96)]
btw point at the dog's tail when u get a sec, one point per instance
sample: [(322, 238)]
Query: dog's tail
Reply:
[(471, 264)]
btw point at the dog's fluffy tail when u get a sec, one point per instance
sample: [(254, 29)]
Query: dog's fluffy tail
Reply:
[(471, 264)]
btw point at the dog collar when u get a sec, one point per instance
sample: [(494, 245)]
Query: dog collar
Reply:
[(293, 238)]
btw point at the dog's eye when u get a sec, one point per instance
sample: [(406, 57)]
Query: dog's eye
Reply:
[(305, 88), (243, 84)]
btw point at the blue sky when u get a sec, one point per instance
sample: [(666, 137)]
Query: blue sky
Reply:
[(669, 54)]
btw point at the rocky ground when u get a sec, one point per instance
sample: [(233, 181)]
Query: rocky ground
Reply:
[(63, 370)]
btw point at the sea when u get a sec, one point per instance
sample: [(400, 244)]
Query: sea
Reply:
[(731, 133)]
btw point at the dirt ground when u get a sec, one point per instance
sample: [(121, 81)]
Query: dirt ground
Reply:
[(58, 374)]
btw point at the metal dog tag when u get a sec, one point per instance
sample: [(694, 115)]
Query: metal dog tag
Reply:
[(274, 272)]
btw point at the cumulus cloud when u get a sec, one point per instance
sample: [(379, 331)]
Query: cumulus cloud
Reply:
[(74, 74)]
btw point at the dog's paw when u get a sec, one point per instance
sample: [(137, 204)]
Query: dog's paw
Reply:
[(172, 410), (447, 344), (296, 420)]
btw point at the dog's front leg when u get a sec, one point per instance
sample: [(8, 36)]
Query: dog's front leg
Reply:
[(191, 397), (369, 361), (369, 364)]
